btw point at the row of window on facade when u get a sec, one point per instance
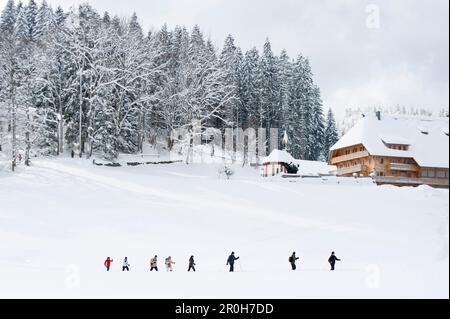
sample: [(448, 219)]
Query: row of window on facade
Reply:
[(370, 161), (426, 173), (391, 146), (354, 150), (352, 164), (401, 161), (355, 163), (398, 147), (431, 173), (399, 174), (397, 161)]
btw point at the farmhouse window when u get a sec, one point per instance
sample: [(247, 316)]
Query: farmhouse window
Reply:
[(440, 174)]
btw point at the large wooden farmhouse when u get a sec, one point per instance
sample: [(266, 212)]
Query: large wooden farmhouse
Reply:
[(397, 150)]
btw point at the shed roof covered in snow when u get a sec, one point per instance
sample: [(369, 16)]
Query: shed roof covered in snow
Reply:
[(426, 137), (278, 156), (313, 168)]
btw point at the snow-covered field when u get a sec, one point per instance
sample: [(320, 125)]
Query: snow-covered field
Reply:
[(61, 218)]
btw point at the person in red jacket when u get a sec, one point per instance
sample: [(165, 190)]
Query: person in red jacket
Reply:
[(107, 263)]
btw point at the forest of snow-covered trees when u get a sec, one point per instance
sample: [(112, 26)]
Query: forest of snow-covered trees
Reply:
[(97, 83)]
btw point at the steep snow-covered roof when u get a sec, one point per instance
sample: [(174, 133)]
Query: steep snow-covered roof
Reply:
[(278, 156), (427, 138)]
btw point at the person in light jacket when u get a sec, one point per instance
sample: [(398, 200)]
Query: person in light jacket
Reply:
[(169, 263), (125, 265), (154, 263)]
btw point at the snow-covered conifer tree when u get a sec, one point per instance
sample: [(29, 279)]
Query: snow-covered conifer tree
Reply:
[(331, 133)]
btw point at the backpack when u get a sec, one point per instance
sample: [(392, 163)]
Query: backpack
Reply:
[(291, 259)]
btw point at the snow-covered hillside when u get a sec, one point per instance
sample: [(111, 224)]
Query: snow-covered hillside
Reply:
[(60, 219)]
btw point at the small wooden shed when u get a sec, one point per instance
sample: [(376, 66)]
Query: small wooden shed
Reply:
[(278, 162)]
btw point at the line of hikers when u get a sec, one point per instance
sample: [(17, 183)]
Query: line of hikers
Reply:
[(332, 260), (153, 264), (230, 262)]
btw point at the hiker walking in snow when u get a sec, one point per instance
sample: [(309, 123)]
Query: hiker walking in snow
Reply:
[(126, 265), (332, 260), (72, 154), (191, 264), (231, 261), (107, 263), (154, 263), (293, 260), (169, 263)]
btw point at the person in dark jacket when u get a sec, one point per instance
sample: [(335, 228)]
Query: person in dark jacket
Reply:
[(293, 260), (332, 260), (72, 154), (191, 264), (231, 261)]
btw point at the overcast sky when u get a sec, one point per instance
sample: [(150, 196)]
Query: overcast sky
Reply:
[(396, 52)]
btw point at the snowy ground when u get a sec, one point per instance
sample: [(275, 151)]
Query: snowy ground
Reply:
[(61, 218)]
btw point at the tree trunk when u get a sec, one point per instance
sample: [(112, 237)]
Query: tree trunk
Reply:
[(144, 121), (80, 127), (13, 124), (190, 148), (27, 138), (90, 141), (60, 128), (27, 149), (245, 155), (170, 142), (1, 135)]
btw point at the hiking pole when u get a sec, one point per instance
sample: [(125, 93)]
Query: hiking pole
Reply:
[(240, 265)]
